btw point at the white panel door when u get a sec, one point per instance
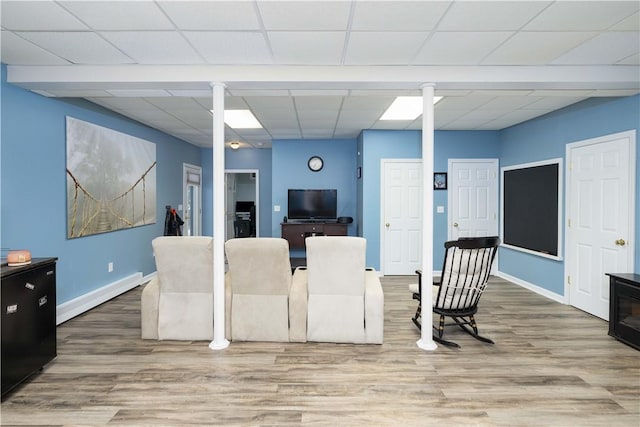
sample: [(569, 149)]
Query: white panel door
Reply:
[(402, 217), (473, 198), (600, 203)]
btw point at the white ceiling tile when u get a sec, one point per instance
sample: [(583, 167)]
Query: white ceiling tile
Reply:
[(142, 93), (18, 51), (582, 15), (509, 102), (397, 15), (630, 60), (230, 47), (459, 48), (367, 104), (78, 47), (212, 15), (606, 48), (79, 93), (173, 102), (191, 93), (614, 92), (553, 103), (490, 15), (319, 92), (258, 92), (286, 134), (317, 133), (573, 93), (305, 48), (154, 47), (317, 102), (535, 48), (304, 15), (373, 48), (467, 103), (275, 102), (38, 16), (631, 23), (280, 122), (119, 15)]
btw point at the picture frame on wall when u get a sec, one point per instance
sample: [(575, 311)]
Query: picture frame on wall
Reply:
[(440, 181)]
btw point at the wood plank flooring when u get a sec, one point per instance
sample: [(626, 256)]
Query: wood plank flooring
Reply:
[(552, 365)]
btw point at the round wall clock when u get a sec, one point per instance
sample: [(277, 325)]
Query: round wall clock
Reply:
[(315, 163)]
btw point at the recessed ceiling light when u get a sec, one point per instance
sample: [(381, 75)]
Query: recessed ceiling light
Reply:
[(241, 119), (406, 108)]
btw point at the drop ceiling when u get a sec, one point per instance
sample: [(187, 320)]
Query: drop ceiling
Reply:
[(322, 69)]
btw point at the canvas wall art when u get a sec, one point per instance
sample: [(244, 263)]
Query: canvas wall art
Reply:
[(111, 180)]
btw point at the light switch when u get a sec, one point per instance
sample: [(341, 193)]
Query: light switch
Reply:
[(440, 209), (276, 208)]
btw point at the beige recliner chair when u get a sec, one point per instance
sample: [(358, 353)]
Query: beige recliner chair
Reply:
[(177, 304), (345, 300), (261, 302)]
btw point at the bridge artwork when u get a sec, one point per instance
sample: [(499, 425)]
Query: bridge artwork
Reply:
[(111, 180)]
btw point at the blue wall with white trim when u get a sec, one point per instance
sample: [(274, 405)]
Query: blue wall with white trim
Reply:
[(33, 201)]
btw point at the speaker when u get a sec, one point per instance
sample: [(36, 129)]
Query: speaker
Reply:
[(345, 220)]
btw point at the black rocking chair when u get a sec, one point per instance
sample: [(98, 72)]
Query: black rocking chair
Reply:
[(465, 273)]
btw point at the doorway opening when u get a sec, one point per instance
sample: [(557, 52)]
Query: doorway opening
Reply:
[(242, 209)]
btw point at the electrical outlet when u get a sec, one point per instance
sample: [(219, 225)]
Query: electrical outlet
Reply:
[(110, 267)]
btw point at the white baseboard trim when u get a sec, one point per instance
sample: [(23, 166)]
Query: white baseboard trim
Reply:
[(534, 288), (86, 302)]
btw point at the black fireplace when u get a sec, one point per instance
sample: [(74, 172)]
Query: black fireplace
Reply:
[(624, 308)]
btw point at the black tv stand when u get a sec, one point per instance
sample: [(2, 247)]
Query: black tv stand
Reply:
[(296, 232)]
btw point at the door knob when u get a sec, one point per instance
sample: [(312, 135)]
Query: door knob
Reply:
[(387, 225), (455, 224), (620, 242)]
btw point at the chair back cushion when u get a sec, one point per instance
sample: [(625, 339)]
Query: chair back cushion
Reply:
[(260, 277), (336, 265), (336, 285), (259, 266), (184, 263), (185, 278)]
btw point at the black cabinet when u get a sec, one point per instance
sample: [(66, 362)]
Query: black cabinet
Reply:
[(28, 319)]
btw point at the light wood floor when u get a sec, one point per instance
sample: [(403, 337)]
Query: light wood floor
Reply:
[(552, 365)]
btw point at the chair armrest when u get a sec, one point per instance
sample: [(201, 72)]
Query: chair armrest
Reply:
[(298, 303), (373, 308), (149, 309), (228, 296)]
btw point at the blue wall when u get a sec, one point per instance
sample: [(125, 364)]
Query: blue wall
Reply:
[(33, 201), (546, 137), (386, 144), (245, 158)]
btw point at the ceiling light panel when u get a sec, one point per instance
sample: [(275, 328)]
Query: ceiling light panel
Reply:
[(406, 108), (119, 15), (241, 119)]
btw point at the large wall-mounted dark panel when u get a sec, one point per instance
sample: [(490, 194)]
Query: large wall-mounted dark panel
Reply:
[(531, 207)]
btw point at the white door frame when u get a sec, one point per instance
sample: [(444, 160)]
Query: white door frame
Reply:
[(383, 162), (257, 173), (568, 259), (197, 220)]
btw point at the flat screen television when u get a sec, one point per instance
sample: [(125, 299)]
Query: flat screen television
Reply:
[(312, 204)]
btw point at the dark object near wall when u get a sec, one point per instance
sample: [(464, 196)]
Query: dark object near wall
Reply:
[(624, 308), (172, 223), (28, 320), (530, 208), (345, 220)]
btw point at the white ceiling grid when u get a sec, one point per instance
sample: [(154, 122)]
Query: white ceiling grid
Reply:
[(323, 69)]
